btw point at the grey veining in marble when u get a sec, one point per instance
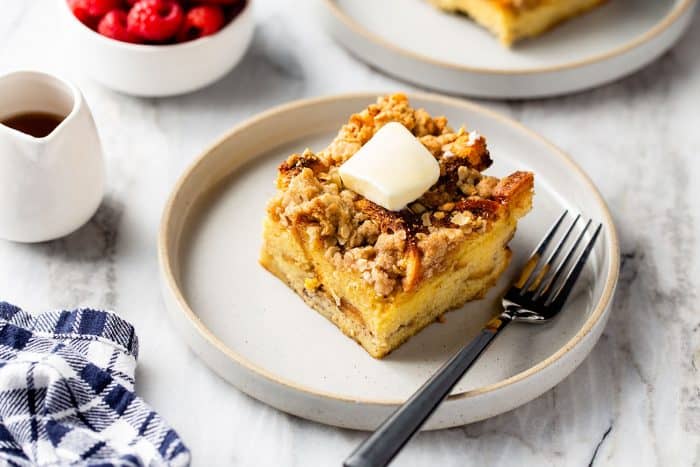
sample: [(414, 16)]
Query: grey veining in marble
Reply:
[(634, 401)]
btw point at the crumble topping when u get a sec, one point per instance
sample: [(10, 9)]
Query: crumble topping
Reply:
[(390, 250)]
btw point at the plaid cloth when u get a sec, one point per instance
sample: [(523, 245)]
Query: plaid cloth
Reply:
[(66, 394)]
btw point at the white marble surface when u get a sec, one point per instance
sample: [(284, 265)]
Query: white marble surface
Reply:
[(634, 401)]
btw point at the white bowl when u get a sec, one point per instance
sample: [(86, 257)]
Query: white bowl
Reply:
[(159, 70)]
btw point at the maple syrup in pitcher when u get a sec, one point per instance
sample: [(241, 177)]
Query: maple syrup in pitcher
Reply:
[(37, 124)]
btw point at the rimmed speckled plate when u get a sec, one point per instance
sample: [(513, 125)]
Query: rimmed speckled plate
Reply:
[(248, 327), (414, 41)]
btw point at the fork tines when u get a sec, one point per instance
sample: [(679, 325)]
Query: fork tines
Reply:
[(553, 279)]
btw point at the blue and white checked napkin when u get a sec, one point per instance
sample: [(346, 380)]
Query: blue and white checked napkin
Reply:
[(66, 394)]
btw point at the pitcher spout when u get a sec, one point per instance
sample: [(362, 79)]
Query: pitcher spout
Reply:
[(35, 109)]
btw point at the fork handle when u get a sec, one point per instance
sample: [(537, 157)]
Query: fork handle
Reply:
[(381, 447)]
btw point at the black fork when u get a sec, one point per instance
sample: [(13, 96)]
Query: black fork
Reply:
[(537, 296)]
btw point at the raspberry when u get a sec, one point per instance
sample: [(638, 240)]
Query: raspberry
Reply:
[(201, 21), (99, 8), (155, 20), (113, 25), (91, 11), (80, 11)]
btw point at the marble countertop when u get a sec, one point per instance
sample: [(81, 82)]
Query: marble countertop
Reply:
[(634, 401)]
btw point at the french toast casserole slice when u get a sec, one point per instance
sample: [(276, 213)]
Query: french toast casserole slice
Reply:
[(378, 275), (513, 20)]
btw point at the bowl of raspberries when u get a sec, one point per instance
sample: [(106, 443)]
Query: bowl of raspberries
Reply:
[(157, 48)]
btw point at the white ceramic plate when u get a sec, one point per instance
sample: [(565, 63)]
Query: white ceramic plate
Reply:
[(252, 330), (414, 41)]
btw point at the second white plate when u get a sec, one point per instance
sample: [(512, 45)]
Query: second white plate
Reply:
[(414, 41)]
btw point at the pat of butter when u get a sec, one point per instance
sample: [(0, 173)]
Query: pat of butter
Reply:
[(392, 169)]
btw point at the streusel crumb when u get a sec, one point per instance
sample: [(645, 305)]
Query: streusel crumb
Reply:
[(389, 249)]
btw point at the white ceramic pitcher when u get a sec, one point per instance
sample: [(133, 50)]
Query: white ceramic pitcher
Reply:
[(49, 186)]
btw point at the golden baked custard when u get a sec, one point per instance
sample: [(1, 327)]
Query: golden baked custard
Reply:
[(379, 275), (512, 20)]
